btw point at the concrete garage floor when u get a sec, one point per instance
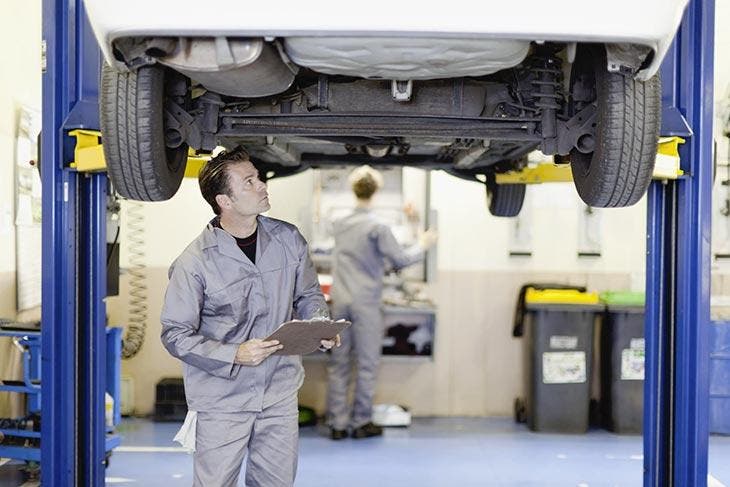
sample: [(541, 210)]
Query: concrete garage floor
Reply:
[(432, 452), (441, 452)]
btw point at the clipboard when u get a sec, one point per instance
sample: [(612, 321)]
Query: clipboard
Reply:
[(301, 337)]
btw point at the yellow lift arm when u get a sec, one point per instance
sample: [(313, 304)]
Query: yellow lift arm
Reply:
[(89, 156), (666, 167)]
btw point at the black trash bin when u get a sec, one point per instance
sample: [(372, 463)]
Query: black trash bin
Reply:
[(622, 362), (556, 326)]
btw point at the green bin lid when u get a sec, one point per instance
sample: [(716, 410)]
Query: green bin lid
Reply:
[(623, 298)]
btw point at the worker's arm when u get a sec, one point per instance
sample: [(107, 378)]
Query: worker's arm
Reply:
[(181, 322), (398, 255), (308, 299)]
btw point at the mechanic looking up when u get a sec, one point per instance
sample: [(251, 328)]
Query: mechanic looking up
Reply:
[(242, 277), (362, 245)]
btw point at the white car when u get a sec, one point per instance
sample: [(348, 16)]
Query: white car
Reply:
[(467, 87)]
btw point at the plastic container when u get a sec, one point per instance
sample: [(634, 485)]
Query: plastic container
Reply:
[(109, 410), (720, 377), (557, 327), (622, 353)]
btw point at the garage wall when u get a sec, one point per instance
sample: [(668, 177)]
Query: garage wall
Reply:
[(720, 222), (20, 84), (722, 77), (478, 241), (477, 364)]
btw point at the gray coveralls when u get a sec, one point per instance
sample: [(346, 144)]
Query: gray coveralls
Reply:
[(215, 300), (362, 245)]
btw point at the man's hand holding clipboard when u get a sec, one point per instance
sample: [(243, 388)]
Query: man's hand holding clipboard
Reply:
[(300, 337)]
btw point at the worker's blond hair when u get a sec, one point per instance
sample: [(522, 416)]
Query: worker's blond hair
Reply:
[(365, 181)]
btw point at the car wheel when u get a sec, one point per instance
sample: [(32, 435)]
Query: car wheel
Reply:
[(505, 199), (618, 170), (140, 164)]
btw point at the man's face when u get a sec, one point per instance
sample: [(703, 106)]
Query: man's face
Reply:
[(248, 195)]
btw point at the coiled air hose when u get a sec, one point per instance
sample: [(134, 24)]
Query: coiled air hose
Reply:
[(137, 316)]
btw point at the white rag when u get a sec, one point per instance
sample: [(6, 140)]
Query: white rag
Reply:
[(186, 434)]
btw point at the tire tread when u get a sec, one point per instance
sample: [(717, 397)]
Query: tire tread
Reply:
[(131, 114), (627, 133)]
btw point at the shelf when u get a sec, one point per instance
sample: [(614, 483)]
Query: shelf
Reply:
[(21, 389), (21, 433), (21, 453)]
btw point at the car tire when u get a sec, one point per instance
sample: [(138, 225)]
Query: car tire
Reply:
[(505, 200), (140, 165), (618, 171)]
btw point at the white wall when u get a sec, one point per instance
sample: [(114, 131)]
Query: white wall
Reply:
[(472, 239), (171, 225), (722, 77), (475, 287), (721, 223), (20, 84)]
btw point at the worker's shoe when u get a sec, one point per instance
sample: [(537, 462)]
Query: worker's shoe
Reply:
[(367, 430), (336, 434)]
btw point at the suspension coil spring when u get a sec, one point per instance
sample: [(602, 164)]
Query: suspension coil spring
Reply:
[(548, 95), (548, 83), (137, 315)]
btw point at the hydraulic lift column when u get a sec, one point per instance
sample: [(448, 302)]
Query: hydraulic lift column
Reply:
[(73, 374), (676, 387)]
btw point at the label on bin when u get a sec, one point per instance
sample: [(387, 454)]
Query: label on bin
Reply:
[(632, 364), (563, 367), (560, 342)]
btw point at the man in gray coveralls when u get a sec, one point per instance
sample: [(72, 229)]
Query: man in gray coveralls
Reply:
[(362, 246), (232, 286)]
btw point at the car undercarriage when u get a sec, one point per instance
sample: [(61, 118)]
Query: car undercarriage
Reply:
[(576, 102)]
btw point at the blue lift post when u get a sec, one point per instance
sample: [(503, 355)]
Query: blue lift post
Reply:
[(678, 268), (73, 370)]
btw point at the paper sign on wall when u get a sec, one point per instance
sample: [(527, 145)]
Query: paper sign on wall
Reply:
[(28, 211)]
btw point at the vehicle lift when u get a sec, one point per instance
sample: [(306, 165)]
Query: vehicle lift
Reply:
[(73, 441)]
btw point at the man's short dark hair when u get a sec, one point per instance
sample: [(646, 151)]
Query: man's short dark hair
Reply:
[(365, 187), (213, 176)]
